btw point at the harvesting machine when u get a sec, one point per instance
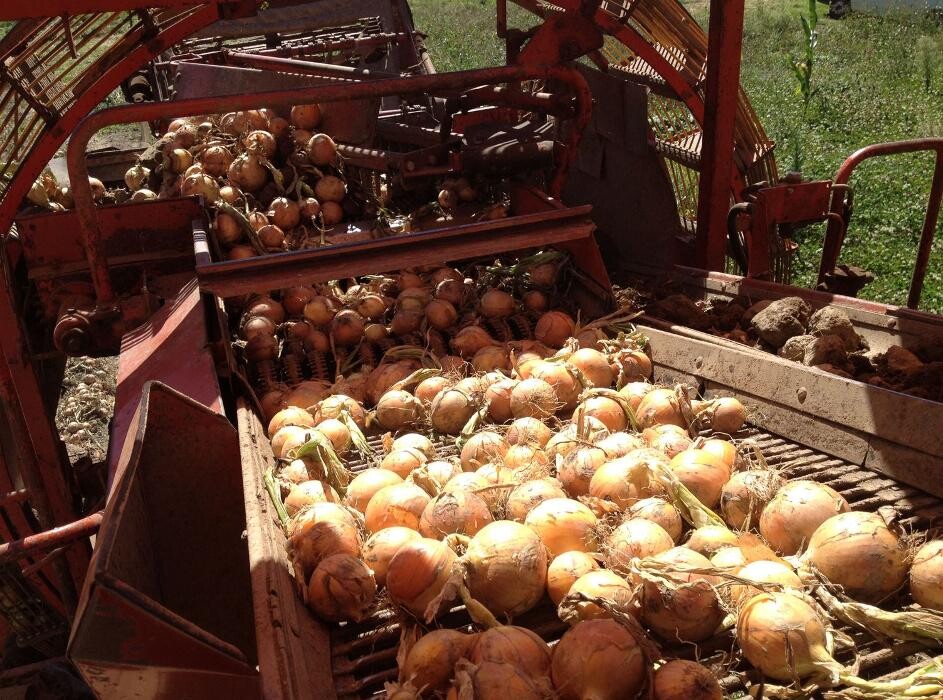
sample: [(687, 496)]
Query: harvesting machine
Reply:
[(624, 140)]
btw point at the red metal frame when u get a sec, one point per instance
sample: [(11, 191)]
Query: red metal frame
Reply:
[(840, 207)]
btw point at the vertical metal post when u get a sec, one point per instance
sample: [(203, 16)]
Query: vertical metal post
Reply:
[(725, 37), (929, 231)]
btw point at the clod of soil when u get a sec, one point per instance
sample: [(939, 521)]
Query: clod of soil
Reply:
[(833, 321), (726, 314), (782, 320), (834, 370), (898, 363), (755, 309), (679, 308), (794, 348), (829, 349)]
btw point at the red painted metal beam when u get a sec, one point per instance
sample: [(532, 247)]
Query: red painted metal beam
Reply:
[(33, 545), (725, 39), (13, 9)]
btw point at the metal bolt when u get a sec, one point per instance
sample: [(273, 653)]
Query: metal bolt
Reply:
[(698, 362), (801, 394)]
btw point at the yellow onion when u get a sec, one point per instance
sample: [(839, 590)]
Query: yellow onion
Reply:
[(564, 525), (726, 414), (272, 402), (308, 394), (783, 636), (470, 340), (363, 486), (295, 472), (321, 150), (763, 572), (527, 461), (702, 473), (430, 664), (329, 189), (260, 143), (680, 679), (402, 462), (578, 469), (496, 304), (490, 358), (635, 392), (399, 504), (498, 397), (602, 583), (292, 415), (660, 407), (796, 511), (593, 365), (372, 306), (141, 195), (524, 498), (271, 237), (561, 378), (483, 448), (635, 538), (380, 548), (517, 646), (286, 214), (528, 431), (926, 575), (627, 479), (397, 409), (336, 405), (417, 574), (533, 398), (386, 375), (247, 173), (342, 589), (180, 160), (294, 299), (258, 220), (308, 493), (609, 412), (322, 530), (451, 290), (686, 607), (497, 680), (564, 571), (553, 328), (632, 366), (414, 441), (746, 494), (506, 568), (287, 438), (450, 411), (331, 213), (440, 314), (860, 553), (620, 444), (454, 512), (136, 176), (216, 160), (660, 512), (305, 117), (669, 439), (535, 301), (709, 539), (598, 659), (347, 327), (230, 194), (466, 481)]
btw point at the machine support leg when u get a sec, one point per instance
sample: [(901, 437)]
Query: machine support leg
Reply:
[(720, 112)]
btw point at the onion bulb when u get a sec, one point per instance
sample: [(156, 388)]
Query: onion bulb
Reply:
[(660, 407), (335, 405), (496, 304), (746, 494), (247, 173), (625, 480), (320, 310), (535, 301), (669, 439), (564, 525), (635, 392), (470, 340), (397, 409), (620, 444), (286, 214), (271, 237), (228, 230), (680, 679), (632, 366), (605, 410), (399, 504), (602, 583), (347, 327), (506, 568), (659, 511), (402, 462), (318, 532), (260, 143), (726, 415), (926, 575), (702, 473), (598, 659), (363, 486), (330, 189), (524, 498), (440, 314), (454, 512), (498, 397), (564, 571), (709, 539), (292, 415), (763, 572), (796, 511), (635, 538), (450, 411), (307, 493), (491, 358), (578, 469), (562, 380), (518, 646), (342, 589), (380, 548), (305, 116), (553, 328), (216, 160), (322, 150), (497, 680), (684, 607), (528, 431), (414, 441), (533, 398), (430, 664), (483, 448), (417, 574), (860, 553), (136, 176), (783, 636)]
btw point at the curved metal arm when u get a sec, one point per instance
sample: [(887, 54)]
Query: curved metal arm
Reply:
[(838, 224)]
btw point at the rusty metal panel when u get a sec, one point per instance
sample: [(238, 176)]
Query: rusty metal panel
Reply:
[(294, 649), (168, 594), (172, 347)]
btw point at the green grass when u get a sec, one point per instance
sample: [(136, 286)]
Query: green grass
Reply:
[(871, 87)]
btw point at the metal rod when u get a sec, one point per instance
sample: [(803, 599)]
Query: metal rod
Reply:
[(50, 539), (926, 237), (720, 115), (332, 92), (292, 65)]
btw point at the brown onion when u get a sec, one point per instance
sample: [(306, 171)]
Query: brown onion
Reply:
[(680, 679), (608, 411), (271, 237), (593, 365), (380, 548), (564, 571), (669, 439), (397, 409), (517, 646), (598, 660), (553, 328), (470, 340), (305, 116), (417, 574), (635, 538), (746, 494), (454, 512), (603, 583), (483, 448), (342, 589), (308, 493), (635, 392), (763, 572), (347, 327), (496, 304), (533, 398), (318, 532), (329, 189), (260, 143), (926, 575), (661, 512), (286, 214), (322, 150), (660, 407), (796, 511), (247, 173), (399, 504), (402, 462), (564, 525), (702, 473), (578, 469), (450, 411), (363, 486), (709, 539), (686, 607), (506, 568), (530, 494), (430, 664)]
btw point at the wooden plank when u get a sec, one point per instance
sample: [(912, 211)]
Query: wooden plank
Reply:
[(895, 417), (294, 649)]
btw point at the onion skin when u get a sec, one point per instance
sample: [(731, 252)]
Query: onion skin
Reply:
[(483, 448), (660, 512), (315, 538), (402, 462), (400, 504), (430, 664), (564, 525), (451, 410), (506, 568), (625, 480), (498, 396), (341, 589), (858, 552), (620, 444), (926, 575), (746, 494), (414, 441), (398, 409), (593, 365), (688, 611), (524, 498), (763, 572), (605, 584), (680, 679), (534, 398), (564, 570), (553, 328), (604, 409), (660, 407), (702, 473), (496, 680), (578, 469), (517, 646), (528, 431), (291, 415), (380, 548), (709, 539), (308, 493), (454, 512), (635, 539), (668, 439), (796, 511), (782, 636), (417, 574), (598, 660)]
